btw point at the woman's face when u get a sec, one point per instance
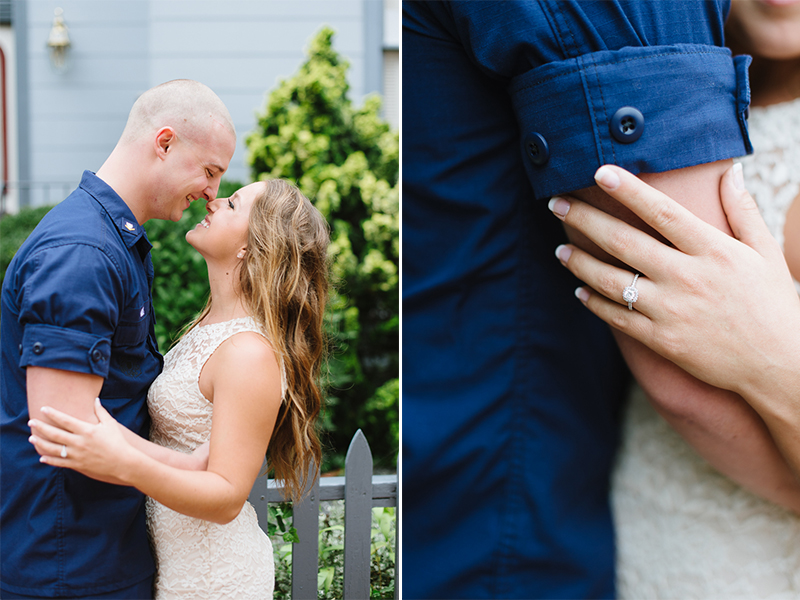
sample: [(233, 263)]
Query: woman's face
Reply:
[(222, 234), (765, 28)]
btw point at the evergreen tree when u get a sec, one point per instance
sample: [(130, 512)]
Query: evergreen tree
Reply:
[(346, 160)]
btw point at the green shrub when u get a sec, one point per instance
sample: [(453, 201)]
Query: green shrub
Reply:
[(346, 160), (330, 577), (14, 229)]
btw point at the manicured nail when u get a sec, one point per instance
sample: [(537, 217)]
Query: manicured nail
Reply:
[(607, 178), (559, 206), (45, 410), (738, 177), (33, 423), (32, 439), (582, 294), (563, 253)]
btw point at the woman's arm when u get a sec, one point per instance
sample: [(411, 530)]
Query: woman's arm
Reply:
[(244, 381), (722, 308), (196, 461)]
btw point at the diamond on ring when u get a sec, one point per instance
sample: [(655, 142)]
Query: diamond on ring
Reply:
[(630, 294), (63, 451)]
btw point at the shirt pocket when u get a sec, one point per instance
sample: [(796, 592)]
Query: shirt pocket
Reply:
[(133, 327)]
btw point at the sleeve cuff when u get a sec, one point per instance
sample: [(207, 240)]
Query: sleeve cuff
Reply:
[(650, 110), (65, 349)]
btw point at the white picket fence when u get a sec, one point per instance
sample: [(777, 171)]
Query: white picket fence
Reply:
[(361, 491)]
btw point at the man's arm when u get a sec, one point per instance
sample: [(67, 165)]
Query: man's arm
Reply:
[(74, 393), (718, 423)]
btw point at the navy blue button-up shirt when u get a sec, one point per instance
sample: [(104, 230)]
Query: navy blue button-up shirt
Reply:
[(76, 297), (511, 388)]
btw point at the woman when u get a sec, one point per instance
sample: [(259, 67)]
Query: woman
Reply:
[(728, 313), (244, 378)]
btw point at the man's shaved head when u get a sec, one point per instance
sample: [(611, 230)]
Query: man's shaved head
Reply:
[(188, 106)]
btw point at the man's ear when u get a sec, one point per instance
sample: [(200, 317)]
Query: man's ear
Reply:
[(164, 139)]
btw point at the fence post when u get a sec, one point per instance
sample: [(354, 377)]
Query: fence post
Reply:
[(305, 553), (357, 517)]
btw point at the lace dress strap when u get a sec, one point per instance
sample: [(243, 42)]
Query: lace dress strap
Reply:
[(212, 336)]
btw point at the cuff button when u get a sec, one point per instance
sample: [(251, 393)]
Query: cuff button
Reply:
[(537, 149), (38, 348), (627, 125)]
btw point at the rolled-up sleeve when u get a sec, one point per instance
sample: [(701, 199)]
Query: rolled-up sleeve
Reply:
[(645, 85), (645, 109), (68, 309)]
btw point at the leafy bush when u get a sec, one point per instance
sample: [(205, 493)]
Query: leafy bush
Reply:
[(330, 577), (14, 229), (346, 160)]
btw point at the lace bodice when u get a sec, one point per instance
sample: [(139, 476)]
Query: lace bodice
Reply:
[(195, 558), (684, 530), (772, 174)]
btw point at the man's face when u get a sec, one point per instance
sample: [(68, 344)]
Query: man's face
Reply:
[(193, 170)]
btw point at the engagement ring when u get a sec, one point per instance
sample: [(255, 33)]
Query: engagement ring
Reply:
[(630, 294), (64, 451)]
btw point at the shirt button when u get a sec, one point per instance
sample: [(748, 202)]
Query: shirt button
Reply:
[(20, 349), (627, 125), (536, 148), (38, 348), (97, 356)]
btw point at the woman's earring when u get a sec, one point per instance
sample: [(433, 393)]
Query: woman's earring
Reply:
[(241, 254)]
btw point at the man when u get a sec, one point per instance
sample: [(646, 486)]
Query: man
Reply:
[(511, 391), (77, 323)]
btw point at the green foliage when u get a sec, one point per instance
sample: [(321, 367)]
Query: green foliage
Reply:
[(330, 575), (14, 229), (346, 160)]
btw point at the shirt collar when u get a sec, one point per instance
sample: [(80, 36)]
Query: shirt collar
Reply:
[(122, 217)]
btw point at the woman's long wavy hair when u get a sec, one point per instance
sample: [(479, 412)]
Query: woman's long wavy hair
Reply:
[(283, 281)]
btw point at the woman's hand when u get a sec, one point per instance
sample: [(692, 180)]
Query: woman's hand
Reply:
[(723, 308), (97, 450)]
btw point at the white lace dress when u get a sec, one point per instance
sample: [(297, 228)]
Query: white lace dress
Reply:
[(683, 530), (195, 558)]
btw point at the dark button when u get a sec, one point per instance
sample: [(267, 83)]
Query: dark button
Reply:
[(537, 149), (20, 349), (97, 356), (38, 348), (627, 125)]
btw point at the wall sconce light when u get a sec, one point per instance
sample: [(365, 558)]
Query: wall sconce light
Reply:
[(58, 40)]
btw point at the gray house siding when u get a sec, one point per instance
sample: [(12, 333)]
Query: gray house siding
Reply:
[(240, 48)]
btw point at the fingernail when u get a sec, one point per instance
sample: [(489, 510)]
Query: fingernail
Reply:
[(45, 409), (738, 177), (33, 423), (32, 439), (563, 253), (559, 206), (582, 294), (607, 178)]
